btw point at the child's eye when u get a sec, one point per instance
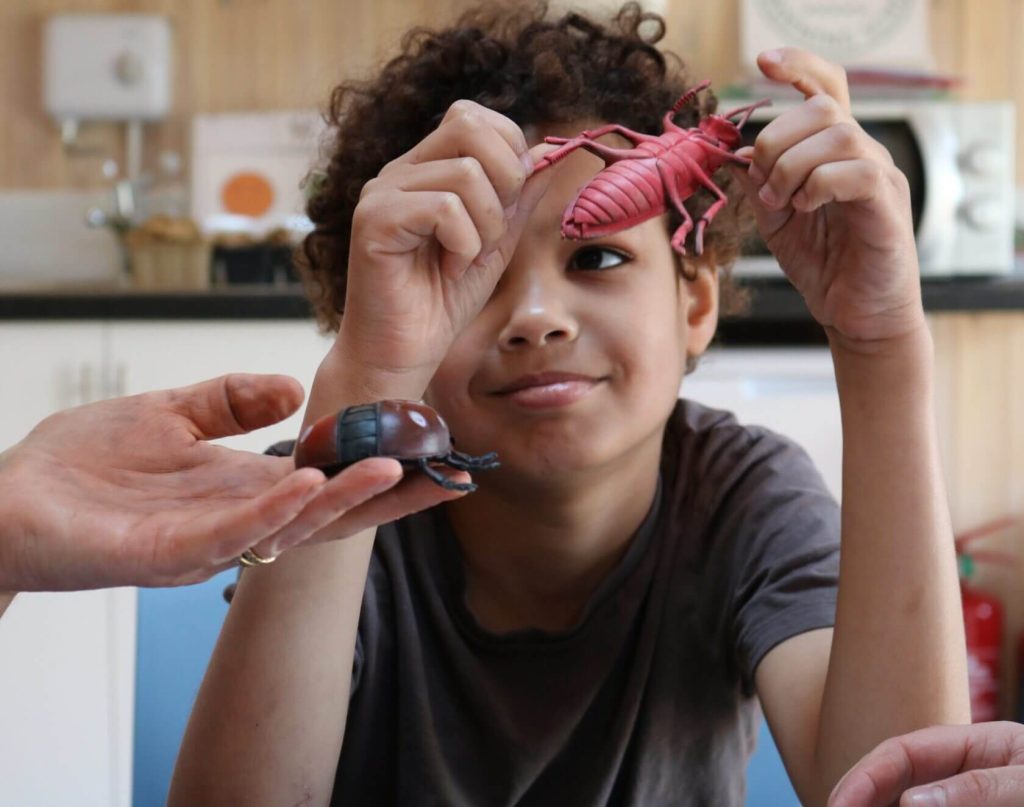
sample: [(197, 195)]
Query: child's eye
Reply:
[(597, 258)]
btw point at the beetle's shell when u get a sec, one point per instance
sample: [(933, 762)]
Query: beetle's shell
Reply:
[(402, 430)]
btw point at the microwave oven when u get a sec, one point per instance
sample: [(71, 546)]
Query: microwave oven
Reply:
[(959, 160)]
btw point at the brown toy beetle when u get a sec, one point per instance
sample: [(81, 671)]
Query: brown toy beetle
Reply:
[(410, 432)]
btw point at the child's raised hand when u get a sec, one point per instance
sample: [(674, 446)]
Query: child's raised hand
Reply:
[(833, 208), (431, 236)]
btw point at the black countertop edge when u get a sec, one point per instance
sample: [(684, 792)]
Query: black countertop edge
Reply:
[(241, 302), (776, 314)]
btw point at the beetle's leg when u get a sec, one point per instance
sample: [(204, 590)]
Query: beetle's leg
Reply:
[(464, 462), (668, 179), (709, 145), (701, 176), (441, 479), (609, 154), (618, 128)]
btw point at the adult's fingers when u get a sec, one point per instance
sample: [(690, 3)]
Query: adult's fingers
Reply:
[(415, 493), (924, 756), (808, 72), (368, 480), (986, 787), (236, 403), (190, 549)]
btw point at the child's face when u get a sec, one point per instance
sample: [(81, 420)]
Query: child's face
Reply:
[(613, 313)]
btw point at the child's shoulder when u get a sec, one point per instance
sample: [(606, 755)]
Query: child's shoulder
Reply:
[(710, 450)]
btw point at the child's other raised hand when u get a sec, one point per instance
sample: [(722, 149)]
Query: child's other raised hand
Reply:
[(833, 208), (431, 236)]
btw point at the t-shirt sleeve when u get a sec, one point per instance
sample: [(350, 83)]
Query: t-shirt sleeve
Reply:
[(775, 545)]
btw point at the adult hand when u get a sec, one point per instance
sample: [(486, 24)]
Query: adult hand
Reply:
[(129, 492), (833, 208), (942, 766)]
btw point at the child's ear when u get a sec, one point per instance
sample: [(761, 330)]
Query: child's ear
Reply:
[(699, 299)]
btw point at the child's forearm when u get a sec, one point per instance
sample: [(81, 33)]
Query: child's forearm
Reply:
[(898, 659), (269, 719)]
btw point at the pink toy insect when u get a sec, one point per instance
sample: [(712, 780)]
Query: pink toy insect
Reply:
[(632, 186)]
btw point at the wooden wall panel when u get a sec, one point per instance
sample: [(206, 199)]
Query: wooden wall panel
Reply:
[(282, 54), (980, 409)]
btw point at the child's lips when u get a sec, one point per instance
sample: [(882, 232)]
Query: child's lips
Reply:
[(545, 390)]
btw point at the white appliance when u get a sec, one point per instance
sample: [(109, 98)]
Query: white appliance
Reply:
[(107, 67), (959, 160)]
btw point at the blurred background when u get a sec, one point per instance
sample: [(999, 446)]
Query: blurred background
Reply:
[(154, 161)]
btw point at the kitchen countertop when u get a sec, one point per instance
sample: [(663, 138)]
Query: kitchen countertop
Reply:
[(776, 315)]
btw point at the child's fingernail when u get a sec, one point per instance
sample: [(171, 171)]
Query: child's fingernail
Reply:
[(767, 196), (756, 174), (483, 260), (771, 56), (928, 797), (510, 211), (527, 162)]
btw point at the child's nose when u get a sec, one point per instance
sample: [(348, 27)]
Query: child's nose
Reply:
[(538, 315)]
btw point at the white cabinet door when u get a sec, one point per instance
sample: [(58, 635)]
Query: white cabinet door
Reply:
[(156, 355), (68, 660), (45, 367), (789, 390)]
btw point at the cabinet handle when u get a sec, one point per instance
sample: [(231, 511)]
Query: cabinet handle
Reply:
[(120, 380)]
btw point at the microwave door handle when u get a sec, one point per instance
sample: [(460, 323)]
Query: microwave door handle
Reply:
[(943, 193)]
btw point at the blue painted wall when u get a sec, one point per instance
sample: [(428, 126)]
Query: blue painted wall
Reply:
[(177, 631)]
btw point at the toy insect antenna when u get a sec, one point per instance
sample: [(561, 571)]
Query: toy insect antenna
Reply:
[(746, 111), (689, 95)]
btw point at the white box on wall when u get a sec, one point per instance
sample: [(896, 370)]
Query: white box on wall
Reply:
[(107, 66)]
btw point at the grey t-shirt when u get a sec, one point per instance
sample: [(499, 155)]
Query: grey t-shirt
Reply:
[(649, 699)]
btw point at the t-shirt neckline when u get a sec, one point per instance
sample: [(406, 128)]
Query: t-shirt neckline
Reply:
[(454, 588)]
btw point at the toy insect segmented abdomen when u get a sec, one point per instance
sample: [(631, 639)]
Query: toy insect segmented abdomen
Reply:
[(623, 194), (410, 432)]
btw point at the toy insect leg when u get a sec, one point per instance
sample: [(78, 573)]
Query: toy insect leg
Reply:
[(464, 462), (725, 154), (699, 174), (618, 128), (441, 479), (668, 179), (609, 154)]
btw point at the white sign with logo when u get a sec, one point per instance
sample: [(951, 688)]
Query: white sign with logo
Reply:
[(854, 33)]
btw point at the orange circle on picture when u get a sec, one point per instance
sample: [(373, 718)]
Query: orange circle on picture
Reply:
[(247, 194)]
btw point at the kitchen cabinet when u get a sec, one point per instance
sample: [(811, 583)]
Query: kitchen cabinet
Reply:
[(67, 685), (67, 679), (154, 355)]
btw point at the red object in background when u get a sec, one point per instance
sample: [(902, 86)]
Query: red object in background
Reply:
[(983, 623)]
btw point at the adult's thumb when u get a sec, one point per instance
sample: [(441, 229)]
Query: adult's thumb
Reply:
[(236, 403), (982, 787)]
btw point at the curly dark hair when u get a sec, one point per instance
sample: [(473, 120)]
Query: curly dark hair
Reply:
[(530, 68)]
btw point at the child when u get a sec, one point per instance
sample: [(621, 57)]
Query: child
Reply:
[(592, 625)]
